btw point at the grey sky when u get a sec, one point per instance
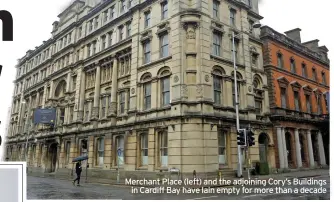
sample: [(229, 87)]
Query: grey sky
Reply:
[(9, 184), (33, 23)]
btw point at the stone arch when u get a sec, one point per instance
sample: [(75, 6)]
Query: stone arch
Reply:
[(257, 81), (263, 141), (218, 70), (239, 75), (146, 76), (163, 71), (60, 89)]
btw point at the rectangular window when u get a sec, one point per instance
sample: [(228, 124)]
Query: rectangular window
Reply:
[(147, 96), (165, 91), (283, 98), (292, 66), (217, 88), (147, 19), (296, 100), (314, 75), (215, 11), (100, 151), (90, 24), (110, 38), (74, 83), (122, 102), (216, 43), (323, 76), (164, 10), (221, 147), (112, 12), (105, 15), (163, 145), (96, 22), (103, 42), (144, 149), (87, 111), (232, 17), (128, 30), (68, 150), (104, 107), (121, 33), (88, 50), (164, 45), (123, 6), (319, 104), (326, 102), (308, 104), (258, 106), (94, 48), (71, 113), (304, 70), (279, 61), (130, 3), (62, 116), (69, 39), (147, 52), (254, 60), (120, 145)]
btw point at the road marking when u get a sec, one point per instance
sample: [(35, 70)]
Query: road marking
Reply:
[(203, 197)]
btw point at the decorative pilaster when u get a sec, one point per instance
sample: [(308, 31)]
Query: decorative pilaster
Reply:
[(113, 104), (280, 147), (95, 114), (68, 80), (285, 151), (82, 95)]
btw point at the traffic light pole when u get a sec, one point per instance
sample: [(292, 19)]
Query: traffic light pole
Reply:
[(236, 107)]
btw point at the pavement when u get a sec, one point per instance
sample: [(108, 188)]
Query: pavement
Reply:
[(279, 187)]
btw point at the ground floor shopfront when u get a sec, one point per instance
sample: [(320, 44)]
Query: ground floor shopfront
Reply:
[(299, 146), (189, 145)]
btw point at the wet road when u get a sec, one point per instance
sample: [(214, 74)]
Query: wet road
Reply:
[(48, 188)]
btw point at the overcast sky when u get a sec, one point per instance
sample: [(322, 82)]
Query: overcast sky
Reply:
[(33, 23)]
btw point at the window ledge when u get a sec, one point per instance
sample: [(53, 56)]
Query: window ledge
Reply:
[(142, 168), (162, 168)]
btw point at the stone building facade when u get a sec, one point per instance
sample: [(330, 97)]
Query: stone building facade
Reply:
[(298, 80), (153, 78)]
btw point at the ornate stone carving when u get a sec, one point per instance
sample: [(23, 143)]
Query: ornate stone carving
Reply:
[(191, 33), (80, 115), (95, 112), (176, 79), (199, 89), (112, 108), (133, 91), (190, 30), (184, 90), (207, 78), (250, 89)]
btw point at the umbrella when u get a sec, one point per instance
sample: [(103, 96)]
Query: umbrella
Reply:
[(80, 158)]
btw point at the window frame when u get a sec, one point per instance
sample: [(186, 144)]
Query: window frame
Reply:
[(164, 10), (147, 19), (216, 43), (99, 152), (217, 79), (147, 51), (164, 91), (147, 98), (285, 97), (164, 45), (232, 17), (143, 149), (163, 147), (215, 9)]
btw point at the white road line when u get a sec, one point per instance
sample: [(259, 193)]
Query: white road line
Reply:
[(203, 197)]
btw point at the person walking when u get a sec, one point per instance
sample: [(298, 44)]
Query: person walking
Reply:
[(78, 171)]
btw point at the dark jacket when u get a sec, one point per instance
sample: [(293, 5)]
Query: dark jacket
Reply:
[(78, 168)]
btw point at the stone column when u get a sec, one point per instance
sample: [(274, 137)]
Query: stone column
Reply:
[(91, 156), (310, 148), (37, 99), (298, 152), (82, 95), (44, 156), (280, 147), (285, 151), (97, 93), (68, 80), (44, 96), (151, 149), (321, 149), (113, 104)]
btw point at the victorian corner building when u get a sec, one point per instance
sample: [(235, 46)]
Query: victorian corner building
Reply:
[(155, 79)]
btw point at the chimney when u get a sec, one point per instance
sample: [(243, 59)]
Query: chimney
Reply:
[(294, 34), (313, 45)]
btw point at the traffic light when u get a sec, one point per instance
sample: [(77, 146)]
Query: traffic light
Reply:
[(250, 137), (241, 137)]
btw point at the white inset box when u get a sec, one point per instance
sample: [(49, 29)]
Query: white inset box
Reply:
[(13, 181)]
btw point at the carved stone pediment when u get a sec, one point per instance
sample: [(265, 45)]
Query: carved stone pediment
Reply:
[(295, 86), (283, 82)]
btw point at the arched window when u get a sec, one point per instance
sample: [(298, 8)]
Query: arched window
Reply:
[(258, 94), (61, 89), (165, 87), (217, 80), (146, 79)]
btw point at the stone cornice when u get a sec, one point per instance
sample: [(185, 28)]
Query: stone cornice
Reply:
[(271, 34)]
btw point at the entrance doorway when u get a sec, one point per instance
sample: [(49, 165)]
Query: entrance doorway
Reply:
[(53, 157), (263, 147), (288, 148)]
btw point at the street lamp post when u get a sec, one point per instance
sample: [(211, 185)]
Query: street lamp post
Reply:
[(255, 25)]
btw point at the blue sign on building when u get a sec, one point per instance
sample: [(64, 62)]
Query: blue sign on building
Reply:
[(45, 116)]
